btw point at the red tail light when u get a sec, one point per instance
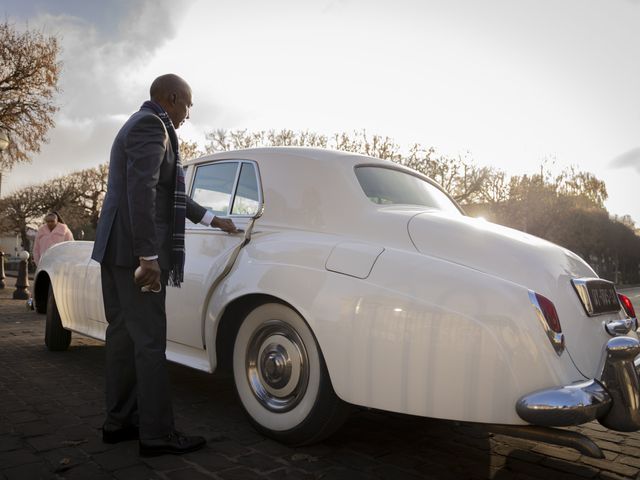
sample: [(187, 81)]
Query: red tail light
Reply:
[(549, 312), (627, 305), (548, 316)]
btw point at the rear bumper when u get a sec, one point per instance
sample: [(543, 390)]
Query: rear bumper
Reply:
[(613, 400)]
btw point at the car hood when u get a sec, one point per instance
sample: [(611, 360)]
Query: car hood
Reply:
[(532, 262)]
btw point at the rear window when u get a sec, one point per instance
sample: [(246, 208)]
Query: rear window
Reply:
[(386, 186)]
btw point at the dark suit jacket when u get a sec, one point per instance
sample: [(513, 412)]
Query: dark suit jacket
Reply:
[(137, 215)]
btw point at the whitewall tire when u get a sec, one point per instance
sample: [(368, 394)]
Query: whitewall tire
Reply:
[(281, 377)]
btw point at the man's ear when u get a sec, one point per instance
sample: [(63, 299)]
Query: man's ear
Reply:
[(174, 98)]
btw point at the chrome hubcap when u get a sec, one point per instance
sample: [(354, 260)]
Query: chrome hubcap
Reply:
[(277, 366)]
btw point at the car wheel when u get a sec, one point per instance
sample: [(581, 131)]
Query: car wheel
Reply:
[(281, 377), (40, 308), (56, 338)]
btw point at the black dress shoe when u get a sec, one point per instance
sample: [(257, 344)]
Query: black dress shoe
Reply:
[(121, 435), (175, 443)]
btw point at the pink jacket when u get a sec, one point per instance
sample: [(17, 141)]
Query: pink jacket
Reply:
[(45, 238)]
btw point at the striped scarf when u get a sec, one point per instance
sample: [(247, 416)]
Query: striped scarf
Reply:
[(176, 274)]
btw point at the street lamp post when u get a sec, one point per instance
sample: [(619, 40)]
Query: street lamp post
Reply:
[(2, 277), (4, 143), (22, 283)]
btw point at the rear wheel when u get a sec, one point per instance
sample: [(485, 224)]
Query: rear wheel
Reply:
[(40, 292), (40, 308), (56, 338), (281, 377)]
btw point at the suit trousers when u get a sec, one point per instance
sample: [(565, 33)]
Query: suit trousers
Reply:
[(137, 383)]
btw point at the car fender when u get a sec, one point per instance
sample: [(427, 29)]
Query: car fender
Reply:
[(420, 335), (65, 265)]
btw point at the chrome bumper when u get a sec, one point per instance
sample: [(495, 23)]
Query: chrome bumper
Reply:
[(613, 400)]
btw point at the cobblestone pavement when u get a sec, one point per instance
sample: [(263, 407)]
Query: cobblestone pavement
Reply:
[(51, 409)]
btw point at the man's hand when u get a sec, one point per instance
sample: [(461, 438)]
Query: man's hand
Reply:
[(149, 273), (224, 224)]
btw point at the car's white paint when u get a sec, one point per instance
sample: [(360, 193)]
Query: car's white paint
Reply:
[(414, 310), (354, 259)]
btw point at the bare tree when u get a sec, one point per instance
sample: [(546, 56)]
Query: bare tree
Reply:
[(223, 140), (585, 187), (29, 70), (59, 193), (496, 187), (21, 210), (460, 177), (189, 150), (90, 187)]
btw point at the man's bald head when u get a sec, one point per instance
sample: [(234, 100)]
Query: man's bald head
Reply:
[(174, 94), (166, 85)]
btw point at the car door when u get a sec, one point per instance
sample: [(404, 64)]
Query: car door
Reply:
[(229, 188)]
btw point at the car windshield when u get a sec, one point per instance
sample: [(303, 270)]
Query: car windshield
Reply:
[(387, 186)]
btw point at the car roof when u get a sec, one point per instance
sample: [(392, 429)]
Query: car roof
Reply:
[(310, 188), (324, 155)]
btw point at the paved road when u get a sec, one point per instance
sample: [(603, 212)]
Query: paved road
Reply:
[(51, 409)]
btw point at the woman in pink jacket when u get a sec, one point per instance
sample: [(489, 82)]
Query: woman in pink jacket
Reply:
[(53, 231)]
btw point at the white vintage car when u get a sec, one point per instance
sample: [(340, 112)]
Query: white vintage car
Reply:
[(360, 282)]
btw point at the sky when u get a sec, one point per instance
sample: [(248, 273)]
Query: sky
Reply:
[(508, 83)]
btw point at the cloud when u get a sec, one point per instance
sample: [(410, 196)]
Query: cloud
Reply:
[(100, 60), (628, 159), (100, 85), (75, 145)]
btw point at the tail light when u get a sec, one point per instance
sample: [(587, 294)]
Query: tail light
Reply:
[(550, 313), (627, 305), (548, 316), (628, 308)]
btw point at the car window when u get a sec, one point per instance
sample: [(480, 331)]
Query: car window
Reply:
[(246, 200), (387, 186), (213, 185)]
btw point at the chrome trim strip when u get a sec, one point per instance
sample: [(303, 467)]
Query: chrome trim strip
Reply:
[(564, 406), (232, 197), (225, 271), (556, 339), (621, 379), (254, 165), (580, 286)]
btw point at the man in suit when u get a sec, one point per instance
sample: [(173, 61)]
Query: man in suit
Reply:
[(142, 225)]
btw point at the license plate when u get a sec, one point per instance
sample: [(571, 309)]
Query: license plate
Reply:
[(598, 296)]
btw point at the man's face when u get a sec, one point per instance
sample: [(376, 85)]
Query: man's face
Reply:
[(180, 104)]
